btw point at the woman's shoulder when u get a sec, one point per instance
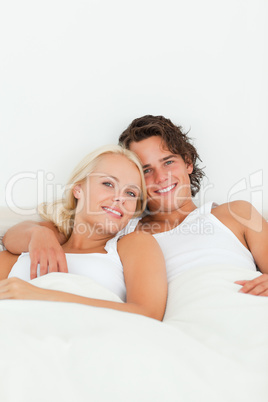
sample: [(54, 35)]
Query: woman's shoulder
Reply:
[(6, 256), (136, 240), (136, 236), (7, 260)]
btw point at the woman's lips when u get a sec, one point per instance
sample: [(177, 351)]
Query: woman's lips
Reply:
[(114, 212)]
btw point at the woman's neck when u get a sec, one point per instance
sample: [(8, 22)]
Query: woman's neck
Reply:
[(88, 241)]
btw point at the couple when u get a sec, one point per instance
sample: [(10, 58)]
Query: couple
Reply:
[(189, 237)]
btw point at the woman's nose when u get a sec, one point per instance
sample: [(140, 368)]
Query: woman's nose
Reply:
[(119, 198)]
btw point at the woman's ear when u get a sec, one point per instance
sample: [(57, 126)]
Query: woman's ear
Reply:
[(77, 191)]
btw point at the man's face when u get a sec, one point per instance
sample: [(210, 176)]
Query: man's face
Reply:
[(166, 175)]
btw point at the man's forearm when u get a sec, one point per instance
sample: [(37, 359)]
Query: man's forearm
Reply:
[(17, 238)]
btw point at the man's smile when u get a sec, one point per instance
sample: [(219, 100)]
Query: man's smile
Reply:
[(166, 189)]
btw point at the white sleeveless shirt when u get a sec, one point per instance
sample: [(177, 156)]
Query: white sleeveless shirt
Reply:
[(202, 240), (105, 269)]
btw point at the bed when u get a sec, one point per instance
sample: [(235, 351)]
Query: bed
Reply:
[(211, 346)]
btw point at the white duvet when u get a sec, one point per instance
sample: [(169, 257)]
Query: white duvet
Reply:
[(212, 345)]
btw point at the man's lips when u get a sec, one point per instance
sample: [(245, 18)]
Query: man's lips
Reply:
[(166, 189), (115, 212)]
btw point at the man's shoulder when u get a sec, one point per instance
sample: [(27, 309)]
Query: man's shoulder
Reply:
[(238, 215), (233, 208)]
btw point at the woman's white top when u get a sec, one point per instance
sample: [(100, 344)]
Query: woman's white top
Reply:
[(105, 269), (202, 240)]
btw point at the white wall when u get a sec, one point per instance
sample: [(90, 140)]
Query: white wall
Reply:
[(73, 74)]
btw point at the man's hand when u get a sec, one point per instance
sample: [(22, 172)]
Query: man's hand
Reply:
[(45, 250), (257, 286)]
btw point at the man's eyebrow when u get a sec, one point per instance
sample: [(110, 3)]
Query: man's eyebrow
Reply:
[(168, 157), (161, 160)]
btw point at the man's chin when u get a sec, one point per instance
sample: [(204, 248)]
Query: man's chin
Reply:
[(154, 209), (166, 206)]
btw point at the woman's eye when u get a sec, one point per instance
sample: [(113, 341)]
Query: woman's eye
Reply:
[(107, 183), (131, 193)]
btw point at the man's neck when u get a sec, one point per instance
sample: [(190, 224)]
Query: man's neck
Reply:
[(171, 218)]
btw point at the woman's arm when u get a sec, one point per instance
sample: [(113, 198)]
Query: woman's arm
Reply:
[(145, 277), (145, 273), (43, 241), (7, 260)]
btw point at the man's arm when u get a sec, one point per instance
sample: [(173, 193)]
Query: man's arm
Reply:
[(250, 228), (255, 230), (17, 238), (43, 241), (256, 236)]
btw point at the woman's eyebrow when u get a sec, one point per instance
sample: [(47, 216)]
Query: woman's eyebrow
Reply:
[(108, 176), (134, 186), (111, 177)]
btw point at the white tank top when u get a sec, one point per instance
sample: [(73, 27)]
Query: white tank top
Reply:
[(202, 240), (105, 269)]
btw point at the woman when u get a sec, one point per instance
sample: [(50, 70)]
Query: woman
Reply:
[(105, 191)]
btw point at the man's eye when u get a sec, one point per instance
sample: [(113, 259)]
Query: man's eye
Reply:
[(169, 162), (146, 171)]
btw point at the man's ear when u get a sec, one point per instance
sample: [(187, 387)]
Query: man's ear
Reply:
[(189, 165), (77, 191), (190, 168)]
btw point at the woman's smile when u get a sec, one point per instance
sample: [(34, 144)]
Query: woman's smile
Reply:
[(117, 213)]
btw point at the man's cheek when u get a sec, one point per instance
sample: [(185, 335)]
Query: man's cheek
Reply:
[(150, 186)]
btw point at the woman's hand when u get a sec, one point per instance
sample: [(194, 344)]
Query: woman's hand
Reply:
[(257, 286), (44, 249), (15, 288)]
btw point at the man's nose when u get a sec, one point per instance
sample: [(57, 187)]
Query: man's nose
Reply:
[(159, 176)]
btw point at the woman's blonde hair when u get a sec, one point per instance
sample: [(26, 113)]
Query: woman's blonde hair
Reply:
[(62, 212)]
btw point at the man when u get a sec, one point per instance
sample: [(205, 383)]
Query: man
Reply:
[(233, 232)]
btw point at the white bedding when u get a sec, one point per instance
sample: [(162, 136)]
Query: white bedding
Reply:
[(213, 345)]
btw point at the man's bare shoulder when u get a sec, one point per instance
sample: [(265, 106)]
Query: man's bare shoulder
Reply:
[(239, 214), (233, 209)]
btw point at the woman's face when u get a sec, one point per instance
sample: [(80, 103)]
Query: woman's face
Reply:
[(108, 197)]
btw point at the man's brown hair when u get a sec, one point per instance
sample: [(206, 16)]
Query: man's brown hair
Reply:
[(172, 136)]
